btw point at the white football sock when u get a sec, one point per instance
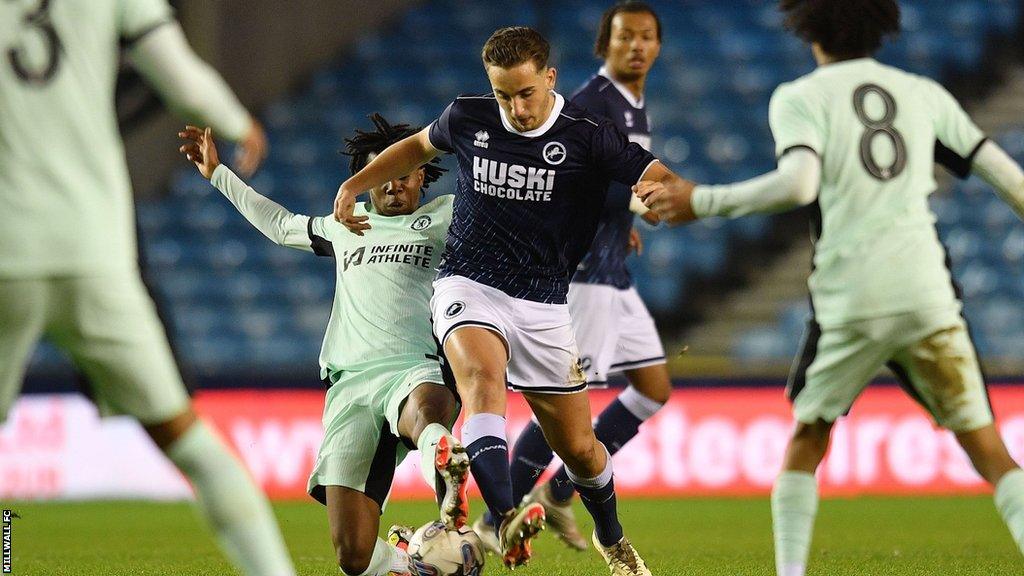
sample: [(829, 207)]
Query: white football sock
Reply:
[(1010, 503), (385, 560), (794, 506), (231, 503), (426, 444)]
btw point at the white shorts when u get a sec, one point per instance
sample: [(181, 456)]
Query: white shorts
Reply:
[(539, 337), (614, 331)]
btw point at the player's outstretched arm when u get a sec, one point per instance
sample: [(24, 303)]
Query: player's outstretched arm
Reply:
[(793, 184), (196, 92), (267, 216), (395, 161), (666, 194), (997, 168)]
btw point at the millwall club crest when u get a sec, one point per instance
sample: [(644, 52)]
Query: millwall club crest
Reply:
[(554, 153), (454, 309), (629, 119), (420, 223)]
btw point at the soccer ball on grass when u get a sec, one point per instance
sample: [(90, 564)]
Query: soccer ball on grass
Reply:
[(437, 551)]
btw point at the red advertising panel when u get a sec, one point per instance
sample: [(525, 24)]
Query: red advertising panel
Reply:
[(704, 442)]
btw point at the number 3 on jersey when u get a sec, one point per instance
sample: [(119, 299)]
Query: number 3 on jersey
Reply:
[(38, 22), (876, 127)]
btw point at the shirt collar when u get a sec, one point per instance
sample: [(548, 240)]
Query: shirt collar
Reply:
[(540, 130), (626, 93)]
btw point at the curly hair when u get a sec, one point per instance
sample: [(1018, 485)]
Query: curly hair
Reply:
[(845, 29), (365, 145)]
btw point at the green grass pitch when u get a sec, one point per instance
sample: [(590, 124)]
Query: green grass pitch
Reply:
[(727, 537)]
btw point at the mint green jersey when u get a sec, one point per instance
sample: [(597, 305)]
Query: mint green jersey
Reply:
[(384, 277), (875, 129), (382, 298), (65, 199)]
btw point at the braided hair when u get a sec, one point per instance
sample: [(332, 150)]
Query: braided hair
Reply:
[(364, 146)]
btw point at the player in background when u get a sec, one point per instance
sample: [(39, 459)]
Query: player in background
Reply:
[(379, 358), (861, 139), (614, 330), (533, 172), (68, 260)]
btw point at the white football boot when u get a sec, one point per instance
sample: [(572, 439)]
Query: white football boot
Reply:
[(622, 558)]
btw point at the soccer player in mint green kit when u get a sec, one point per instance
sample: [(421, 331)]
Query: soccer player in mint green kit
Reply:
[(68, 260), (861, 139), (379, 357)]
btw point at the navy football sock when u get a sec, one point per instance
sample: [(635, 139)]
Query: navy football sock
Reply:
[(488, 460), (483, 435), (598, 496), (530, 458), (614, 428)]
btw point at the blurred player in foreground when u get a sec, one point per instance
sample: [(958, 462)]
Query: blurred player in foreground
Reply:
[(533, 174), (68, 262), (614, 330), (379, 358), (861, 139)]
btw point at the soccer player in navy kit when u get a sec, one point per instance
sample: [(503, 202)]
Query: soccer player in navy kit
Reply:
[(533, 175), (614, 330)]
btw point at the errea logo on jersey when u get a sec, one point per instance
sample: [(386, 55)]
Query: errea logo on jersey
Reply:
[(481, 139)]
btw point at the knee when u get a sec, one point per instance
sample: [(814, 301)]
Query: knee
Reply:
[(480, 374), (809, 444), (352, 559), (437, 406), (580, 455), (166, 433)]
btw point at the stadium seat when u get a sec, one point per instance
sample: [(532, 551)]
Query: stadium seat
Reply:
[(708, 98)]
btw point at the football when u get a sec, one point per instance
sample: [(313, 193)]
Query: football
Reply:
[(437, 551)]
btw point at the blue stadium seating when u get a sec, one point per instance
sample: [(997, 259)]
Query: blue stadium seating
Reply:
[(236, 300)]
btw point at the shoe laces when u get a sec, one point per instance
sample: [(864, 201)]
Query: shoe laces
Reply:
[(623, 555)]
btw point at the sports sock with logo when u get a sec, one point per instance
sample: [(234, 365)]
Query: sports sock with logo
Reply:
[(794, 506), (426, 444), (483, 435), (530, 457), (598, 497)]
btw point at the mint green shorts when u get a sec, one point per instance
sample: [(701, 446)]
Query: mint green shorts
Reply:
[(929, 351), (109, 327), (361, 446)]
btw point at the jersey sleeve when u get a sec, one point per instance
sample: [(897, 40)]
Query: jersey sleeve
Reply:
[(618, 158), (957, 137), (136, 18), (319, 235), (267, 216), (440, 133), (793, 121)]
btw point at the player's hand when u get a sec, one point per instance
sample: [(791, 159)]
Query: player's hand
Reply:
[(200, 149), (671, 204), (636, 242), (252, 150), (344, 205)]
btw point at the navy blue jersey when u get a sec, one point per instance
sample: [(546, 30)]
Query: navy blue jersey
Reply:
[(605, 262), (527, 204)]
